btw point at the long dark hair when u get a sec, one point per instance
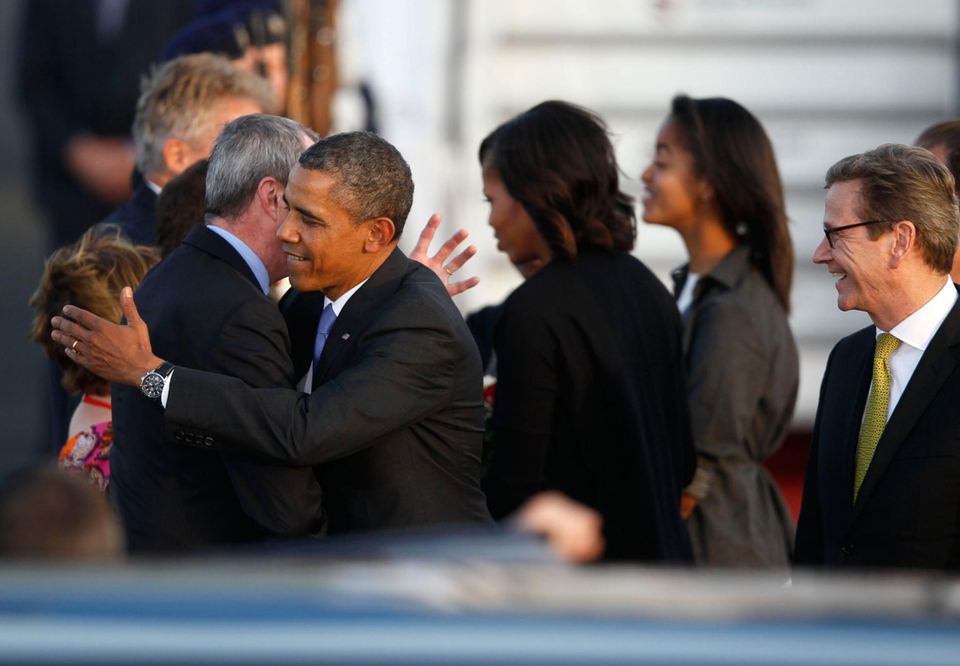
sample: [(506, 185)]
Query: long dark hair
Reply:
[(556, 159), (732, 151)]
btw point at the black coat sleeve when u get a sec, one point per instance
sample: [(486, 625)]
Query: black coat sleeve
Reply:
[(402, 370), (526, 394), (251, 346), (809, 545)]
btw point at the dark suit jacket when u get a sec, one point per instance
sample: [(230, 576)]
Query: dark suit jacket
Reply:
[(907, 512), (205, 310), (482, 325), (72, 82), (395, 422), (591, 401), (138, 217)]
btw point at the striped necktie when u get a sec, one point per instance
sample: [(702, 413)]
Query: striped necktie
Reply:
[(875, 415)]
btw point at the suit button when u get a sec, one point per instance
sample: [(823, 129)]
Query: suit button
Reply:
[(188, 437), (847, 549), (208, 440), (179, 436)]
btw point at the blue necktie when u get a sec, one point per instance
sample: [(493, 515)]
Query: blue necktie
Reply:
[(327, 317)]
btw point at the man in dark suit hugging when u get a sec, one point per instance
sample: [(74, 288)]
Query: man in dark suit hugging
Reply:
[(394, 412), (883, 479), (207, 307)]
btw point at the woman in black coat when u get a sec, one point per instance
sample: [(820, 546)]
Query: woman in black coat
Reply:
[(590, 397)]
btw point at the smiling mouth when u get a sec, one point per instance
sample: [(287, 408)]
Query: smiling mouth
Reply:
[(295, 257), (839, 276)]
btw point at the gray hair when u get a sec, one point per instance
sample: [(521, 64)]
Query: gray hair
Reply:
[(375, 180), (178, 100), (248, 150), (905, 183)]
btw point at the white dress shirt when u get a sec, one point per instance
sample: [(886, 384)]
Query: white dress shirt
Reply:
[(915, 333)]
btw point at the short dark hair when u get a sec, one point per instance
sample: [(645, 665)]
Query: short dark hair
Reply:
[(50, 513), (375, 179), (732, 151), (557, 161), (249, 149), (900, 182), (947, 134), (181, 206)]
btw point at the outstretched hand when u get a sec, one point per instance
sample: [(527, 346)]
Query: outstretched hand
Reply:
[(118, 353), (436, 262), (573, 530)]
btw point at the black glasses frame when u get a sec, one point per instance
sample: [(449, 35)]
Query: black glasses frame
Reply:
[(828, 232)]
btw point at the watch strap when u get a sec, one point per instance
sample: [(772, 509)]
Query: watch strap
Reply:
[(164, 369)]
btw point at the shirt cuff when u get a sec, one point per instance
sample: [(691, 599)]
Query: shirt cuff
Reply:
[(699, 487), (166, 389)]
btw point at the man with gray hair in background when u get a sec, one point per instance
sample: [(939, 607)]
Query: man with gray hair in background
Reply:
[(207, 307), (182, 107)]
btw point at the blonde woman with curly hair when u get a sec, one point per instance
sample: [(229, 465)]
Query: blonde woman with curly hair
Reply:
[(90, 274)]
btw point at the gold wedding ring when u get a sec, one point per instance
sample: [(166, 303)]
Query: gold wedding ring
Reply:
[(73, 347)]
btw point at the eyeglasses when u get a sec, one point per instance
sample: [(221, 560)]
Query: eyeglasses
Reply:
[(828, 232)]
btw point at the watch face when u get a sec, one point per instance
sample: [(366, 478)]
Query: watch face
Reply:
[(152, 385)]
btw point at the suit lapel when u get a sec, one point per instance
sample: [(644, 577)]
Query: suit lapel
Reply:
[(936, 365), (861, 375), (203, 239), (355, 315), (301, 311), (145, 199)]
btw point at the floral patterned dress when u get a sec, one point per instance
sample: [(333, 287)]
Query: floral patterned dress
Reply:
[(88, 452)]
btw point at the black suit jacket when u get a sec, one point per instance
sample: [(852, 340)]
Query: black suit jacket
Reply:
[(205, 309), (907, 513), (591, 400), (138, 217), (395, 421)]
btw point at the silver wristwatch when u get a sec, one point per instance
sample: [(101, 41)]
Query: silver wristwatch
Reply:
[(152, 383)]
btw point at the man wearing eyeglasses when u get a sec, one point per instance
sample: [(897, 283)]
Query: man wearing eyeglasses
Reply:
[(883, 478)]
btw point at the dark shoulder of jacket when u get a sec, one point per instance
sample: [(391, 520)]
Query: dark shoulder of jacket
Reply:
[(847, 348)]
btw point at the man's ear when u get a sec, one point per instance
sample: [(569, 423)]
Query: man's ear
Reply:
[(269, 195), (904, 240), (177, 156), (380, 233)]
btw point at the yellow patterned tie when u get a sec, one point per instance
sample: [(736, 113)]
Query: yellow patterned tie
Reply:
[(875, 415)]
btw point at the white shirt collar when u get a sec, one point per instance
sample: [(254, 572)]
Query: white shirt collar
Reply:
[(685, 297), (344, 297), (919, 328)]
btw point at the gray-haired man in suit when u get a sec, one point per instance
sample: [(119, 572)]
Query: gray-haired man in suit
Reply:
[(883, 479)]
